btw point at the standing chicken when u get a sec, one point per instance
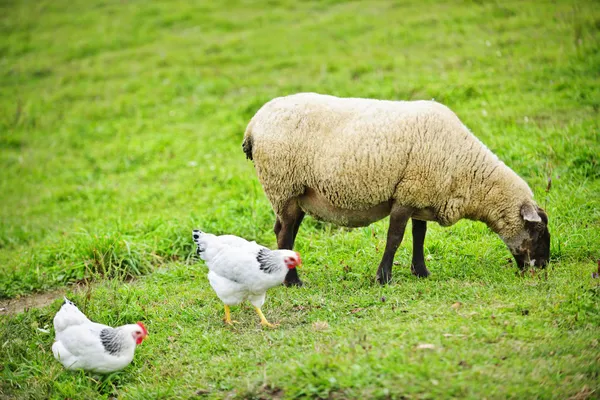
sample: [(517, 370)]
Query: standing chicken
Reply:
[(241, 270), (83, 344)]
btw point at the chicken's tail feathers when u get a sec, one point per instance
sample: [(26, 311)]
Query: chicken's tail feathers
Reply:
[(68, 315), (68, 305), (200, 246), (67, 301)]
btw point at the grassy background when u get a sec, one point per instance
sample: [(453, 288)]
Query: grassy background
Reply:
[(120, 130)]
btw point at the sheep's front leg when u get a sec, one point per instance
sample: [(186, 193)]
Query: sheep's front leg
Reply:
[(398, 220), (418, 267), (286, 229)]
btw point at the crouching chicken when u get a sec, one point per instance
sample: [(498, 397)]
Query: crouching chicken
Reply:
[(83, 344)]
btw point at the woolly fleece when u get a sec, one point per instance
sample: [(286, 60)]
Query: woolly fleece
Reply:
[(359, 153)]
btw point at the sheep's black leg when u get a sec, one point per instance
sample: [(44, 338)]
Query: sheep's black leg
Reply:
[(287, 226), (418, 268), (398, 220), (289, 223), (277, 226), (297, 225)]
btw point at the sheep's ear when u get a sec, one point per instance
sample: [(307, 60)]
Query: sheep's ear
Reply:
[(529, 213)]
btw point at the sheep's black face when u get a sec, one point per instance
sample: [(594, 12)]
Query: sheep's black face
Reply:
[(532, 248)]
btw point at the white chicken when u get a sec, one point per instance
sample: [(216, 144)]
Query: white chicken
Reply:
[(83, 344), (240, 270)]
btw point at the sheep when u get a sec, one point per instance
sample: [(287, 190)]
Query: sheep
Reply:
[(354, 161)]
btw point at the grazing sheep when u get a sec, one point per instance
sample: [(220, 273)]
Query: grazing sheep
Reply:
[(353, 161)]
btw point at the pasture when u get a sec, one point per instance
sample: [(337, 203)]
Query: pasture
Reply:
[(120, 131)]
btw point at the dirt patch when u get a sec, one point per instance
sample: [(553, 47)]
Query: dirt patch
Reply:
[(38, 300)]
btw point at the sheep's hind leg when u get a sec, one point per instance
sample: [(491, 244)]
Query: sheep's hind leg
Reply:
[(418, 267), (297, 225), (286, 229), (277, 226), (398, 219)]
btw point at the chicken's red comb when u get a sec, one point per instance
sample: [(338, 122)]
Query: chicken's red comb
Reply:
[(143, 328), (299, 259)]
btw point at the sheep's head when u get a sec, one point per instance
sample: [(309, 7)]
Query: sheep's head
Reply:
[(531, 246)]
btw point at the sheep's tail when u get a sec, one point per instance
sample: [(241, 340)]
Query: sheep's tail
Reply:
[(247, 147), (247, 143)]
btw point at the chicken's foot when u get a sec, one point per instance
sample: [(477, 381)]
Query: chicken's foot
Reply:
[(263, 320), (227, 318)]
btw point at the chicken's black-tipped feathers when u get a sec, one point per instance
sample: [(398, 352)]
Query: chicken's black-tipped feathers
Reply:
[(196, 235), (263, 261), (110, 340), (67, 301)]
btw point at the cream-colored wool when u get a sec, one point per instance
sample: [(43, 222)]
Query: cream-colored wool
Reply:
[(350, 155)]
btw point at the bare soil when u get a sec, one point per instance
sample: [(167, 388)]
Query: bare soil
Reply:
[(37, 300)]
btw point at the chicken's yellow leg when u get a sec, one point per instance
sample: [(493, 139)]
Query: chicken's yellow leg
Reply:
[(263, 320), (227, 318)]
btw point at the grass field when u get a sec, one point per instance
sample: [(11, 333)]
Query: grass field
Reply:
[(120, 130)]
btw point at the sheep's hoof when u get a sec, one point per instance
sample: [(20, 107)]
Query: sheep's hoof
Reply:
[(420, 271), (297, 283)]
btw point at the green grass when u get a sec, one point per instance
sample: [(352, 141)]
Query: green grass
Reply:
[(120, 131)]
